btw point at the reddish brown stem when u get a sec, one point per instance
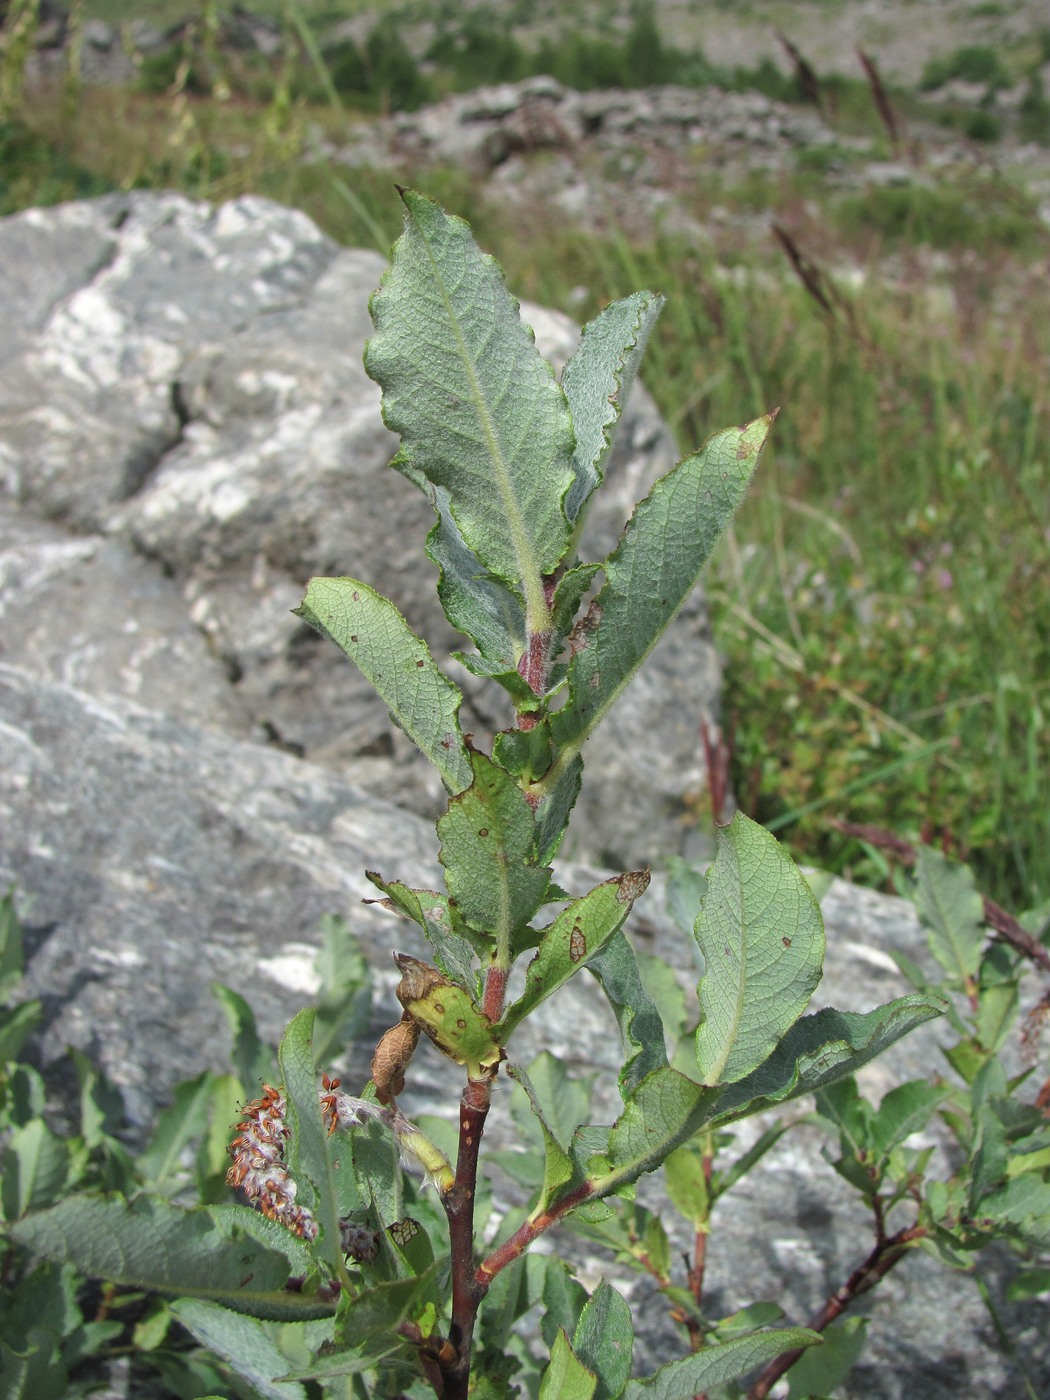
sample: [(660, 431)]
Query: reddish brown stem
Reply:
[(534, 666), (467, 1289), (495, 993), (519, 1242), (886, 1254)]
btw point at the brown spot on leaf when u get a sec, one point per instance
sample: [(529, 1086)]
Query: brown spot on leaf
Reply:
[(631, 885), (786, 942), (577, 945)]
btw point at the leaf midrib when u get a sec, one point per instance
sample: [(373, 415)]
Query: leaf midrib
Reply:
[(532, 586)]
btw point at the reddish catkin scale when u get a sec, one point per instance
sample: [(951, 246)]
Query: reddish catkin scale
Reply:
[(392, 1057), (258, 1167)]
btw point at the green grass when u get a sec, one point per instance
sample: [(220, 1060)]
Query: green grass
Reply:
[(882, 601)]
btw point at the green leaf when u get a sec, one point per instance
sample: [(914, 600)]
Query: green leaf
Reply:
[(310, 1149), (430, 911), (996, 1013), (383, 1308), (350, 1361), (1023, 1203), (1029, 1284), (569, 594), (949, 905), (604, 1340), (641, 1028), (377, 639), (12, 959), (686, 887), (448, 1014), (524, 753), (715, 1365), (564, 1101), (242, 1341), (254, 1062), (378, 1167), (687, 1186), (821, 1049), (184, 1121), (597, 381), (556, 804), (558, 1166), (35, 1371), (651, 572), (488, 849), (515, 1291), (475, 601), (762, 938), (343, 1008), (563, 1298), (821, 1370), (575, 936), (235, 1221), (16, 1026), (146, 1243), (566, 1378), (726, 1179), (663, 1112), (36, 1167), (476, 405), (903, 1111)]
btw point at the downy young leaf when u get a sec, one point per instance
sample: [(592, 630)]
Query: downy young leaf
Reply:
[(377, 639), (477, 407), (311, 1158), (242, 1341), (604, 1340), (762, 938), (430, 912), (575, 936), (663, 1112), (648, 576), (488, 849), (146, 1243), (641, 1029), (715, 1365), (475, 601), (821, 1049), (566, 1378), (597, 381), (949, 905)]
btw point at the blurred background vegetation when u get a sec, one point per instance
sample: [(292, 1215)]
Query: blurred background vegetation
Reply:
[(882, 603)]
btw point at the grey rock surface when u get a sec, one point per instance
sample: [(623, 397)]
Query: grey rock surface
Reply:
[(183, 389)]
